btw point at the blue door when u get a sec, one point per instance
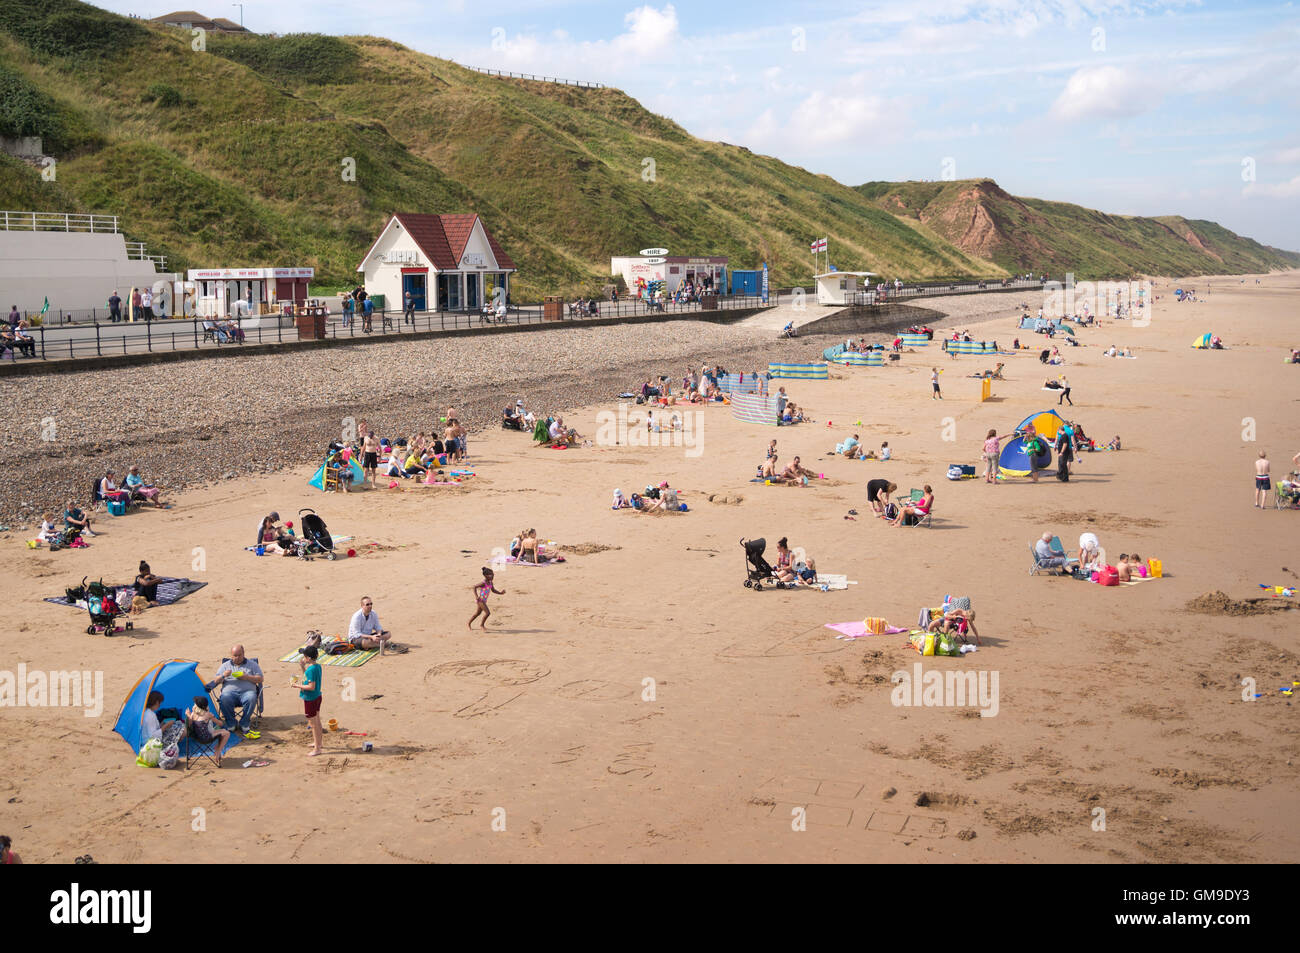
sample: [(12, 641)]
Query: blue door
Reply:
[(415, 284)]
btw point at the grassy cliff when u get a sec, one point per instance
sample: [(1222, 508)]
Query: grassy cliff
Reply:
[(236, 155)]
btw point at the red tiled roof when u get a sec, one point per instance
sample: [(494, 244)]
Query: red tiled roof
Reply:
[(442, 238)]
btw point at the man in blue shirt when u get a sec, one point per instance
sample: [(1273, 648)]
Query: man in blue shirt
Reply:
[(240, 678)]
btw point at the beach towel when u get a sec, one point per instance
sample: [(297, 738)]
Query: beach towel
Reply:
[(858, 630), (516, 561), (834, 581), (170, 589), (351, 659)]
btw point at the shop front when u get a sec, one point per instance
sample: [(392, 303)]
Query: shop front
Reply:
[(445, 262)]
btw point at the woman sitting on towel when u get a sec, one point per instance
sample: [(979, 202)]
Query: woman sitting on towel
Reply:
[(916, 510), (146, 584), (784, 571), (271, 537)]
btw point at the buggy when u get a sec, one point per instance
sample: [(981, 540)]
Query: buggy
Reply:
[(101, 603), (316, 540), (758, 570)]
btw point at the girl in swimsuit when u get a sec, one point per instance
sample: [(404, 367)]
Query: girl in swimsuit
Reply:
[(481, 592)]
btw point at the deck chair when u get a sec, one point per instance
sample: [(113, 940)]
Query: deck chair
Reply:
[(258, 705), (1058, 549), (1036, 565), (915, 496)]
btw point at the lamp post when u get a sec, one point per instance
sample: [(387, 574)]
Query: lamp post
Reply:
[(241, 12)]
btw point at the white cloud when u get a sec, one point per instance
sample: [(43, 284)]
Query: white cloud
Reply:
[(649, 31), (822, 120), (1280, 190), (1103, 92)]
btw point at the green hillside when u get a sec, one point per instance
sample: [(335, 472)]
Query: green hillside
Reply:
[(1021, 234), (234, 155)]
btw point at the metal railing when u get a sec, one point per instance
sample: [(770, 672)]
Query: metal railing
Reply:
[(57, 222), (506, 74), (935, 289), (137, 251), (104, 339)]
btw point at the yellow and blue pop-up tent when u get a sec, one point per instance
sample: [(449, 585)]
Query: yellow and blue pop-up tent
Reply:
[(358, 474), (1202, 340), (1014, 460)]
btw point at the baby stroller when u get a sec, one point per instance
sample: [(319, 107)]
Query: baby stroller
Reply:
[(758, 571), (101, 602), (316, 539)]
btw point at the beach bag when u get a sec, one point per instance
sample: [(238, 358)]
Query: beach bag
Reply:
[(170, 757), (954, 472), (1156, 568), (339, 648), (924, 642), (1108, 577), (874, 625), (946, 645), (149, 754)]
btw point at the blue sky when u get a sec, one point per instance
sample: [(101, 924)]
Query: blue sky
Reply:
[(1127, 106)]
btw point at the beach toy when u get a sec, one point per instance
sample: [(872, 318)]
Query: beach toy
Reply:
[(261, 550), (857, 423), (334, 724), (821, 476), (367, 746), (682, 507), (393, 485), (767, 482), (829, 422), (33, 543), (351, 553)]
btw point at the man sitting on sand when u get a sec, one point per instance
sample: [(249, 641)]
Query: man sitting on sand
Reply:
[(364, 631), (795, 471), (851, 448)]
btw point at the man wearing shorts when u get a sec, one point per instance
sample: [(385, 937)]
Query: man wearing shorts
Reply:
[(1262, 483), (370, 456), (364, 631), (934, 382)]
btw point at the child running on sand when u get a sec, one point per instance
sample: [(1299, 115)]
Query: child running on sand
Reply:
[(481, 592)]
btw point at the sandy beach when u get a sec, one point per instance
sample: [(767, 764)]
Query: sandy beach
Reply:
[(638, 703)]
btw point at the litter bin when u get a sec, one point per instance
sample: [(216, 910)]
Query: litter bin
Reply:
[(311, 327), (553, 308)]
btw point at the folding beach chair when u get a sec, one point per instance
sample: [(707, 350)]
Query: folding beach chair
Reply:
[(916, 496), (1058, 549), (195, 749), (1037, 566)]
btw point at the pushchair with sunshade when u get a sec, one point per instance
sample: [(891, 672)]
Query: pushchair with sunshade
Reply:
[(758, 570), (316, 540), (101, 602)]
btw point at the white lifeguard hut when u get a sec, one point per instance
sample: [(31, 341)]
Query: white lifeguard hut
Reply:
[(840, 287)]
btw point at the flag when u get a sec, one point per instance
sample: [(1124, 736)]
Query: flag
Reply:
[(819, 244), (47, 305)]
